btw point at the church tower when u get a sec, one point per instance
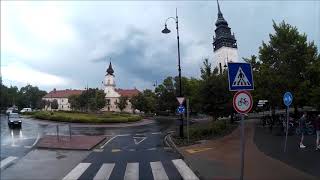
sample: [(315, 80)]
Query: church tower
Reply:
[(225, 47)]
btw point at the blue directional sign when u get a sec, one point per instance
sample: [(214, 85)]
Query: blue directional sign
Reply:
[(287, 98), (181, 109), (240, 76)]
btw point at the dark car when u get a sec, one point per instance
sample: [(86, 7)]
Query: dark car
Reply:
[(14, 120)]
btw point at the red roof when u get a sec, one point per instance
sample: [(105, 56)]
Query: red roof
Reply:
[(62, 93), (128, 92)]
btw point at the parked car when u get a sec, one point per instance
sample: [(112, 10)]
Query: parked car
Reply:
[(12, 109), (14, 120), (26, 110)]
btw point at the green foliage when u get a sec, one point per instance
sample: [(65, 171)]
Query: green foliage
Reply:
[(85, 117), (91, 99), (287, 63), (54, 104), (122, 103), (145, 101), (28, 96)]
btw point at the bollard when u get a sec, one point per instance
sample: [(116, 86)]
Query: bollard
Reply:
[(58, 132)]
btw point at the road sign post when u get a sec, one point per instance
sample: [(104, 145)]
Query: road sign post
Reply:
[(188, 120), (240, 79), (242, 103), (287, 100)]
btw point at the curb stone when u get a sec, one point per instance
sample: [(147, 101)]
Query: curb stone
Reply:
[(168, 141)]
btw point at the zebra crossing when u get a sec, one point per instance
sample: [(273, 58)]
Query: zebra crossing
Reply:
[(132, 171), (7, 161)]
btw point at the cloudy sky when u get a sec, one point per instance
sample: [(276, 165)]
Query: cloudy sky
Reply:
[(68, 44)]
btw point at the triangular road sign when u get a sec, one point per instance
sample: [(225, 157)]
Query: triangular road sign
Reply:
[(241, 79), (180, 100), (138, 140)]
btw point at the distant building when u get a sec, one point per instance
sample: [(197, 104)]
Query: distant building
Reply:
[(225, 47), (62, 98), (113, 94)]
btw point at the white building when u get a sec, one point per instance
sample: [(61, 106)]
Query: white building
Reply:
[(225, 47), (62, 98), (113, 94)]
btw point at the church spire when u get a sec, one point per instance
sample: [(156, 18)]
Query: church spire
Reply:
[(220, 19), (110, 71)]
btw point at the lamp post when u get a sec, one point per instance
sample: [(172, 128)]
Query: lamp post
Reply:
[(166, 31)]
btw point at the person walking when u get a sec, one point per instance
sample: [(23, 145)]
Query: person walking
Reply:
[(317, 123), (302, 126)]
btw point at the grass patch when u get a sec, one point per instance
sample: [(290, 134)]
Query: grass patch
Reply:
[(204, 131), (78, 117)]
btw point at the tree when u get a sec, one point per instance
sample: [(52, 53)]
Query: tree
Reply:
[(145, 101), (286, 63), (122, 103), (216, 99), (206, 71), (91, 99), (54, 104), (166, 94)]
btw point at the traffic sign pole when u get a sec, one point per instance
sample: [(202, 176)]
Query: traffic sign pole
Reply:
[(242, 147), (287, 100), (285, 144)]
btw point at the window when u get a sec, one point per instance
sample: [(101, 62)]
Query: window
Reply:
[(108, 101)]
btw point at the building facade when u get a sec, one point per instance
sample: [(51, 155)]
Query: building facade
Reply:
[(113, 94), (225, 48), (62, 98)]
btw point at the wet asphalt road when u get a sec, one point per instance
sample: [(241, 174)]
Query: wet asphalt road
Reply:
[(139, 147)]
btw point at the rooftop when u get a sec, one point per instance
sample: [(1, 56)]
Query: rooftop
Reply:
[(63, 93)]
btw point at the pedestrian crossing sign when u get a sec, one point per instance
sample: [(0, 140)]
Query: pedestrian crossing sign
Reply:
[(240, 76)]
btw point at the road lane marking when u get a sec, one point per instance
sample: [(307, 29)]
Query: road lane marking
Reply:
[(77, 171), (184, 170), (124, 135), (7, 161), (139, 134), (152, 149), (131, 149), (35, 142), (196, 150), (104, 172), (138, 141), (115, 150), (132, 171), (154, 133), (97, 150), (158, 171), (108, 142)]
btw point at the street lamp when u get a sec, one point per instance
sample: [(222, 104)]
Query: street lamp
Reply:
[(166, 31)]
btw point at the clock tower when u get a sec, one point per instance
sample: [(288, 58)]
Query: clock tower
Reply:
[(225, 48)]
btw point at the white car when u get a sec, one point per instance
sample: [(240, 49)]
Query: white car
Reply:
[(26, 110), (11, 109)]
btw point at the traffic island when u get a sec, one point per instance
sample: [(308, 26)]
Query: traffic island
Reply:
[(70, 143)]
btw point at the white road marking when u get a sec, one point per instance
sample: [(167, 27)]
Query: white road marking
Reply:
[(35, 142), (77, 171), (97, 150), (7, 161), (124, 135), (104, 172), (156, 133), (139, 134), (27, 147), (152, 149), (132, 171), (184, 170), (131, 149), (158, 171), (139, 141), (108, 142)]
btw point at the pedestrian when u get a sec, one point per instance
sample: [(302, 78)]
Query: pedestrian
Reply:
[(317, 123), (302, 126)]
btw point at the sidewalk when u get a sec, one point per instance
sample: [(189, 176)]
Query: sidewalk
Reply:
[(73, 143), (220, 159)]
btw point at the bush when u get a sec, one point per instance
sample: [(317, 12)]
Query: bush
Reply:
[(208, 130), (86, 118)]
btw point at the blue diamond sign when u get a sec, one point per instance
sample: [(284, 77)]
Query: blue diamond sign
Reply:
[(240, 76), (287, 98)]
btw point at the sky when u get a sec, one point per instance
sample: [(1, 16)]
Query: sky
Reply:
[(68, 44)]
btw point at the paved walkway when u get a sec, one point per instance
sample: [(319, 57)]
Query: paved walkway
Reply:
[(220, 159)]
